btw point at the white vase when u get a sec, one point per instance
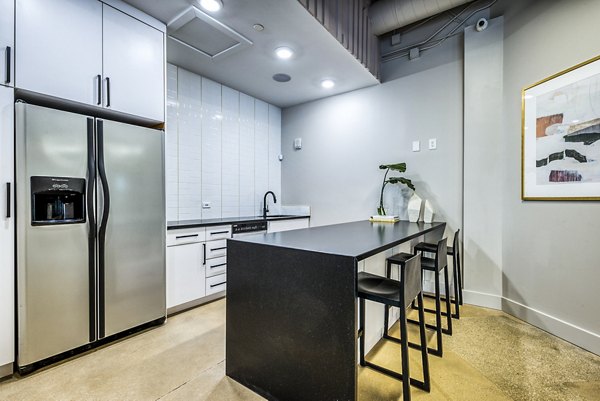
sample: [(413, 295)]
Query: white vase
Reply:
[(414, 208), (428, 212)]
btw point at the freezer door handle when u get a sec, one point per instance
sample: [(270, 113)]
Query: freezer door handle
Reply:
[(8, 63), (91, 166), (103, 223), (8, 200)]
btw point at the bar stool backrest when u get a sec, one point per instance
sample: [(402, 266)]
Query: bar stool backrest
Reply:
[(441, 260), (411, 279)]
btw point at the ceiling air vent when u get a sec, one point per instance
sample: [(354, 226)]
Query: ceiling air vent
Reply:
[(204, 34)]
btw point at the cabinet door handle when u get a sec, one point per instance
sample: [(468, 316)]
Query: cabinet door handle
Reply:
[(219, 265), (218, 249), (204, 254), (99, 83), (8, 200), (220, 232), (8, 63), (218, 284), (107, 92), (186, 236)]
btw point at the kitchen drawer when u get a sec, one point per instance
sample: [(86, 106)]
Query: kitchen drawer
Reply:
[(216, 284), (215, 249), (185, 236), (216, 266), (218, 232)]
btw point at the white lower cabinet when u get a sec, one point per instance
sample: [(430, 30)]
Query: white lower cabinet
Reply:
[(276, 226), (196, 264), (216, 284), (185, 273)]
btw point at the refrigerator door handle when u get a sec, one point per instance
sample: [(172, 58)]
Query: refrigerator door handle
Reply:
[(99, 89), (102, 230), (91, 166), (107, 92)]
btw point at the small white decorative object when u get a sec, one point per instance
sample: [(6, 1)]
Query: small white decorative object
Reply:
[(428, 213), (414, 208)]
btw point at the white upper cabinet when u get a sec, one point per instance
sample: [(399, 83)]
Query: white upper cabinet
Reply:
[(7, 42), (91, 53), (133, 66), (60, 48)]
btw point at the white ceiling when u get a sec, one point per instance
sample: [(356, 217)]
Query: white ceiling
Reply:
[(318, 55)]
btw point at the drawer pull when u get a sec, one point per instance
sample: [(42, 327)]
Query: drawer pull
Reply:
[(216, 285), (222, 264), (220, 232), (218, 249), (186, 236)]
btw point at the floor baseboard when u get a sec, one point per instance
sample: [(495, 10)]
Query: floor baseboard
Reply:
[(482, 299)]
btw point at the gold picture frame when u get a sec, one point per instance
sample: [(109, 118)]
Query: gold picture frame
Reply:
[(560, 135)]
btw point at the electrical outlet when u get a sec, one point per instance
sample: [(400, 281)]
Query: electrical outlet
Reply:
[(432, 144), (205, 205), (416, 146)]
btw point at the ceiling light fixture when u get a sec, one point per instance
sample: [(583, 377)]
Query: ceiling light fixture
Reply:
[(284, 52), (327, 83), (282, 77), (211, 5), (258, 27)]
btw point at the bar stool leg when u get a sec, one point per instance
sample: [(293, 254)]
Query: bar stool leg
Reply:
[(386, 308), (362, 331), (456, 281), (424, 357), (404, 350), (438, 316), (448, 307), (460, 275)]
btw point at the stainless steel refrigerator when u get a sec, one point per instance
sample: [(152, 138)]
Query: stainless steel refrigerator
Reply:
[(90, 231)]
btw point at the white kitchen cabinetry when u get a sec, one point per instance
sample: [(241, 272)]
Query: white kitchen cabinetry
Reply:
[(7, 42), (275, 226), (185, 266), (216, 258), (7, 264), (196, 265), (133, 65), (90, 53), (60, 48)]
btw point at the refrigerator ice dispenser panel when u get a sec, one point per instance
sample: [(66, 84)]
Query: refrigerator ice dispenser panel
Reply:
[(57, 200)]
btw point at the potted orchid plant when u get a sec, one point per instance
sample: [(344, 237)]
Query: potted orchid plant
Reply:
[(399, 167)]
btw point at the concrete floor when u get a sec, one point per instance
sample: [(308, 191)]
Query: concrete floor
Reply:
[(490, 357)]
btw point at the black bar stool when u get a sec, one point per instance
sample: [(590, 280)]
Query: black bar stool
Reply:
[(436, 265), (399, 294), (453, 251)]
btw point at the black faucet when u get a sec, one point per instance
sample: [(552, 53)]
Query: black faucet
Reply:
[(265, 206)]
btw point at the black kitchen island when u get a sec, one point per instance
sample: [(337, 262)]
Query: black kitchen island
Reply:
[(291, 306)]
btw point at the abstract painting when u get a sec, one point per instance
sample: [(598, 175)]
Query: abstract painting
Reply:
[(561, 136)]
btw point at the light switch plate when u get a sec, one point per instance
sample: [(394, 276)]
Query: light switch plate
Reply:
[(432, 144), (298, 143), (205, 205), (416, 146)]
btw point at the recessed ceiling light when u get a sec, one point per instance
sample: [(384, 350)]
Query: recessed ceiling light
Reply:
[(284, 52), (327, 83), (258, 27), (211, 5), (282, 77)]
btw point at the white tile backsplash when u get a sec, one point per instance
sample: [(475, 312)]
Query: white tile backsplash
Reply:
[(222, 147)]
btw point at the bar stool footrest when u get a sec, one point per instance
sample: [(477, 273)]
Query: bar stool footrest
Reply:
[(413, 382)]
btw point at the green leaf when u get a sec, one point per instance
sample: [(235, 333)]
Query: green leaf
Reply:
[(400, 167), (401, 180)]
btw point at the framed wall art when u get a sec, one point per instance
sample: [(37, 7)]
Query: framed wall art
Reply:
[(561, 136)]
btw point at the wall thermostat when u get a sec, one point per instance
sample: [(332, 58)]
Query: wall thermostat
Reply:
[(298, 143)]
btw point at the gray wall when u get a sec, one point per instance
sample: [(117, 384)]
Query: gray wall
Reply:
[(545, 267), (346, 137), (551, 256)]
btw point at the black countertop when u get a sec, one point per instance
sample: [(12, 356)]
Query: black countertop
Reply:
[(359, 239), (174, 225)]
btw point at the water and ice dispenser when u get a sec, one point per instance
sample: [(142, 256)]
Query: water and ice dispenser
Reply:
[(57, 200)]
